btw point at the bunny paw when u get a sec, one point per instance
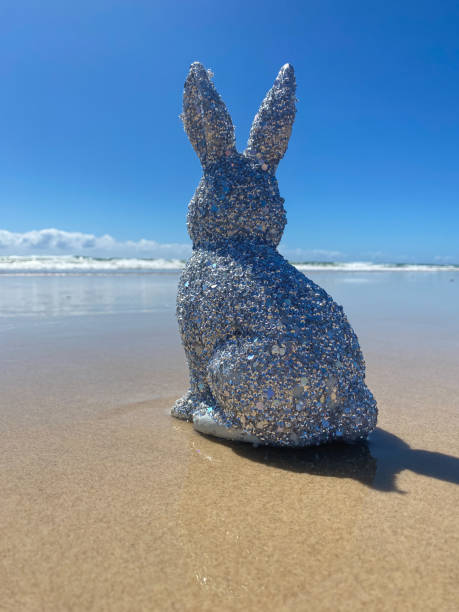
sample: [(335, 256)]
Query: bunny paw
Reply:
[(184, 407)]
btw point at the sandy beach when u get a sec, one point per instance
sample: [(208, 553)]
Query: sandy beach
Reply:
[(110, 504)]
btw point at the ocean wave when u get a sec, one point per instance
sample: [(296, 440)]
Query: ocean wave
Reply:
[(367, 266), (69, 264), (79, 264)]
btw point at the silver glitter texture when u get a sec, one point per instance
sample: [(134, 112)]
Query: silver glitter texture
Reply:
[(272, 357)]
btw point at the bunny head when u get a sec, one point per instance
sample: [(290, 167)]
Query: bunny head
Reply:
[(238, 197)]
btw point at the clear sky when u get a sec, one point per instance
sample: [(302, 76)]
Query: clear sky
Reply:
[(91, 142)]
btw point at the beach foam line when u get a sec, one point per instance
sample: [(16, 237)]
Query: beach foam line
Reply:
[(74, 264), (70, 263), (367, 266)]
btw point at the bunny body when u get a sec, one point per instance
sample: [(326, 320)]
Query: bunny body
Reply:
[(272, 357)]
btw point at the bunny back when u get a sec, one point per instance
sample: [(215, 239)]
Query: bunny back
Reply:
[(269, 341)]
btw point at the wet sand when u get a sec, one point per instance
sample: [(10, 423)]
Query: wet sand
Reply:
[(110, 504)]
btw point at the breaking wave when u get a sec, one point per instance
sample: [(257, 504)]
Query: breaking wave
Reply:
[(70, 264), (59, 264), (366, 266)]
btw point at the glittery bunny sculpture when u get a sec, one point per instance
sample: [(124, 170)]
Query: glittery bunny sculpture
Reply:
[(272, 358)]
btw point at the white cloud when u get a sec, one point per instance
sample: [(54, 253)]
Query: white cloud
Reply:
[(59, 242), (53, 241)]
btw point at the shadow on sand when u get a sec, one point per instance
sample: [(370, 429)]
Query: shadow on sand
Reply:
[(374, 463)]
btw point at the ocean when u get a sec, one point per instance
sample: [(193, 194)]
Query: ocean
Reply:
[(70, 286), (26, 264)]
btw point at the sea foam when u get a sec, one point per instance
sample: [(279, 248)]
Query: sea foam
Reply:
[(70, 264), (78, 264)]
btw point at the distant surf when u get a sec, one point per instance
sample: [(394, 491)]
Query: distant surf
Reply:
[(74, 264), (368, 266), (62, 264)]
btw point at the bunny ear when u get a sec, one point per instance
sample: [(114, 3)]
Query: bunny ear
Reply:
[(205, 117), (273, 123)]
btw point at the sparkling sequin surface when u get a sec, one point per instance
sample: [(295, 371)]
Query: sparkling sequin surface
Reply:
[(272, 357)]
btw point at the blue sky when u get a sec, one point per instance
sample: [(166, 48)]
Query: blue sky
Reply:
[(92, 145)]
